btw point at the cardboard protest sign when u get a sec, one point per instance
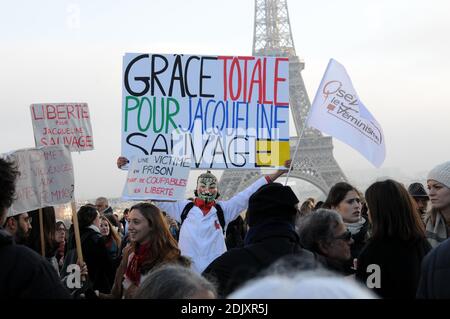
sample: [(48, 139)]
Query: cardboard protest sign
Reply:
[(221, 111), (46, 178), (62, 124), (162, 177)]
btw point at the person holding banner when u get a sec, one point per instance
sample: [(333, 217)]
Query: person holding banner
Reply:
[(24, 274), (99, 264), (204, 219)]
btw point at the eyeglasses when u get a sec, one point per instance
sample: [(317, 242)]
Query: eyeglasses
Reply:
[(345, 236), (61, 229)]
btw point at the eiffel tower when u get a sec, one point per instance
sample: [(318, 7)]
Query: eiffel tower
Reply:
[(314, 162)]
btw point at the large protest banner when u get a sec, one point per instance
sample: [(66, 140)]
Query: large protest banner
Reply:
[(46, 178), (221, 111), (161, 177), (62, 124)]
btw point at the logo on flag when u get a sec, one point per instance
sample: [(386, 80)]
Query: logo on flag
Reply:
[(338, 111)]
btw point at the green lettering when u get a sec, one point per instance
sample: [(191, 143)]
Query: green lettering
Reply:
[(169, 115), (154, 115), (127, 108), (144, 129)]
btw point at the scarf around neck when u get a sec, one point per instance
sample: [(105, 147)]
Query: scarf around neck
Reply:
[(354, 228), (437, 232), (133, 271), (94, 228), (205, 207)]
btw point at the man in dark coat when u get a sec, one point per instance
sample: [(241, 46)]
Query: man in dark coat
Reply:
[(23, 273), (271, 215), (435, 275)]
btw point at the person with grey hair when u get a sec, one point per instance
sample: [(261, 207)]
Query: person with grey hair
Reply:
[(325, 234), (303, 285), (175, 282)]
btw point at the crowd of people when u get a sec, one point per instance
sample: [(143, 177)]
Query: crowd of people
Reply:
[(389, 242)]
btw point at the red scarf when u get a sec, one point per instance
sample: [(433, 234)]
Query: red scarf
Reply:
[(133, 272), (205, 207)]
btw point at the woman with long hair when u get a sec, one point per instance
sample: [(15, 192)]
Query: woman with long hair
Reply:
[(34, 238), (112, 238), (346, 200), (438, 218), (60, 237), (151, 245), (390, 262)]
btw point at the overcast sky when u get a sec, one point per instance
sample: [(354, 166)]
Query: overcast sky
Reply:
[(396, 52)]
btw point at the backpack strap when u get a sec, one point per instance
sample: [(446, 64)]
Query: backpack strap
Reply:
[(221, 217), (185, 211), (219, 210)]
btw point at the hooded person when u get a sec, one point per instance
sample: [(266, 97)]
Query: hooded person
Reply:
[(271, 217), (205, 218)]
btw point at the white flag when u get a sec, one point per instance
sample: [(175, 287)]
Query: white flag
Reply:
[(338, 111)]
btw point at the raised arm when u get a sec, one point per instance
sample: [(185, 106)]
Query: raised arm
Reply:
[(239, 202), (279, 172)]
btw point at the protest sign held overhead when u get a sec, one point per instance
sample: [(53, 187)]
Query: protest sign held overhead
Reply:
[(338, 111), (221, 111), (62, 124), (46, 178), (162, 177)]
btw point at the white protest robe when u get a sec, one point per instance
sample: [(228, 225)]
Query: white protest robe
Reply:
[(338, 111), (201, 236)]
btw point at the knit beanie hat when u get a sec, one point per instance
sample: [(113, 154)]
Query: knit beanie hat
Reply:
[(272, 200), (441, 174)]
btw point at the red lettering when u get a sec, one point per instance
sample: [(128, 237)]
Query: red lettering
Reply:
[(264, 82), (51, 112), (84, 112), (34, 113), (246, 59), (256, 68), (225, 59), (60, 109), (275, 82), (234, 65), (70, 110)]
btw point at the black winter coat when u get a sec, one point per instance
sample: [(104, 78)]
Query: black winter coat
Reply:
[(100, 265), (399, 264), (435, 276), (25, 274), (236, 266)]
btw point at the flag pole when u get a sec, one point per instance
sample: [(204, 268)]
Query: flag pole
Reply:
[(306, 123), (295, 152), (41, 231)]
